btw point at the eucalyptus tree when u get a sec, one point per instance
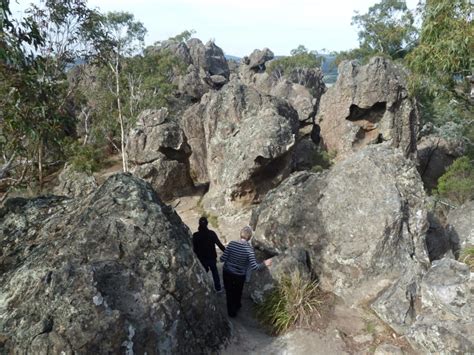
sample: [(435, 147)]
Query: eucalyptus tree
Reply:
[(35, 52), (117, 36)]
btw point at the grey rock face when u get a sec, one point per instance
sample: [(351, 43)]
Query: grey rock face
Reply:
[(75, 184), (435, 154), (461, 224), (114, 273), (158, 149), (207, 67), (445, 322), (368, 104), (240, 142), (258, 58), (363, 224), (302, 88)]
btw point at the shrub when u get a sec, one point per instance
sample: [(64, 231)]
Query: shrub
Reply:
[(293, 302), (467, 257), (457, 183), (322, 160), (85, 158)]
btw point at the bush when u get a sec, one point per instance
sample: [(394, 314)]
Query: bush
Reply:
[(293, 302), (457, 183), (85, 158), (322, 160)]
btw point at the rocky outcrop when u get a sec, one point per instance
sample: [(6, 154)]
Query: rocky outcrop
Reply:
[(206, 66), (435, 154), (159, 152), (444, 324), (241, 142), (114, 273), (363, 224), (368, 105), (257, 59), (302, 88), (75, 184)]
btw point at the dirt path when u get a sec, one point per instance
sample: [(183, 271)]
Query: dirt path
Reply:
[(248, 336)]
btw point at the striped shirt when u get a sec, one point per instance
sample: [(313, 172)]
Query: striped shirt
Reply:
[(238, 257)]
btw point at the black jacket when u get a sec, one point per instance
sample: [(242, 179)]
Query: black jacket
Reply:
[(204, 242)]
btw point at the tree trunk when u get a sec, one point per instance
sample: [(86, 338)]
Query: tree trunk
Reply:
[(40, 165), (119, 108)]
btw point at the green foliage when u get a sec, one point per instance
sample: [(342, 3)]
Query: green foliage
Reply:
[(33, 91), (300, 59), (322, 160), (445, 45), (294, 301), (457, 183), (387, 29), (467, 257), (85, 158), (183, 36), (442, 60)]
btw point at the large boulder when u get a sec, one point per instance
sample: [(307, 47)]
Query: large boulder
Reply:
[(158, 150), (369, 104), (241, 142), (363, 223), (114, 273), (445, 324)]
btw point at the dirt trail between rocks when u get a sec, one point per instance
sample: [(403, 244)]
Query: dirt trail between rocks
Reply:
[(341, 330)]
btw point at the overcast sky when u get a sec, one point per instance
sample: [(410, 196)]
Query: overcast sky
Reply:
[(240, 26)]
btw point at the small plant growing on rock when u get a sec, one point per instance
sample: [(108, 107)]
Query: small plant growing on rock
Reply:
[(293, 302), (322, 160), (467, 257)]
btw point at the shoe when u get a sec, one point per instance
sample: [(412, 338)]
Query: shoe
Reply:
[(220, 291)]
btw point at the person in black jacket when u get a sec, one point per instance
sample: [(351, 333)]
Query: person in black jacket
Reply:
[(204, 242)]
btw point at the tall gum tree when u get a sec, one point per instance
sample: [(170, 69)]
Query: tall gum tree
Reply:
[(117, 36)]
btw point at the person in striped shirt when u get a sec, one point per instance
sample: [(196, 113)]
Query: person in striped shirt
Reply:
[(238, 258)]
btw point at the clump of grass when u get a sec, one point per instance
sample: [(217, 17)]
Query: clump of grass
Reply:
[(370, 327), (467, 257), (293, 302)]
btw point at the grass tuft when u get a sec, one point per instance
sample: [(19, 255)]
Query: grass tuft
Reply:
[(293, 302)]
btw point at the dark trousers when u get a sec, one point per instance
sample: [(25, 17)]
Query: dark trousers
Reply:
[(233, 285), (211, 264)]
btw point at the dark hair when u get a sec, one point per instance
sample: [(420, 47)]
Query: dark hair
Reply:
[(202, 223)]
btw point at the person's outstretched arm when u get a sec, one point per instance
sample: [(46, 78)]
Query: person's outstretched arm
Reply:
[(218, 242)]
